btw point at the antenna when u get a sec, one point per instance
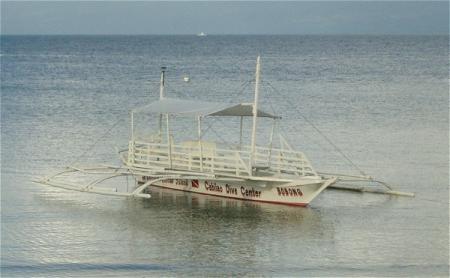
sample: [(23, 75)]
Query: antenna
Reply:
[(161, 87)]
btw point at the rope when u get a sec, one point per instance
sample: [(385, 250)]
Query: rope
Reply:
[(336, 148), (283, 130), (96, 141)]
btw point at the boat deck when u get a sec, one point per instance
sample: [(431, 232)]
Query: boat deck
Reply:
[(205, 157)]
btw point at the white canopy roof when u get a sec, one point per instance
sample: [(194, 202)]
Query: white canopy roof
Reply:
[(200, 108)]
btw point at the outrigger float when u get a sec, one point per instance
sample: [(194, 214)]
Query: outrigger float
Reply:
[(275, 173)]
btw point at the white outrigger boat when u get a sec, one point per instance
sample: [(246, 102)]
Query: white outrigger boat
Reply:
[(276, 173)]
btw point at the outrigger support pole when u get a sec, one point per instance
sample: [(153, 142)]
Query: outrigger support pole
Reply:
[(371, 190), (352, 178)]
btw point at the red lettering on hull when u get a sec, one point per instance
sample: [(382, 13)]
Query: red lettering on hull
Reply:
[(292, 192), (250, 192), (239, 198), (212, 186), (230, 190)]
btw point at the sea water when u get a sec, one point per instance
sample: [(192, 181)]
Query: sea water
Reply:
[(382, 100)]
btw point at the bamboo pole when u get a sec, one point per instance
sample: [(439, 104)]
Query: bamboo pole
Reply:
[(371, 190)]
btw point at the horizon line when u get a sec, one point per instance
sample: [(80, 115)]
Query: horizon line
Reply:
[(231, 34)]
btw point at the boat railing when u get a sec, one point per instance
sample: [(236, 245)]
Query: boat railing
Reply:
[(205, 157), (283, 161)]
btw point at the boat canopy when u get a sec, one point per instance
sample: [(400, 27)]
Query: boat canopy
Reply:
[(200, 108)]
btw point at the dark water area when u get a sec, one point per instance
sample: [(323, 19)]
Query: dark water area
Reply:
[(382, 99)]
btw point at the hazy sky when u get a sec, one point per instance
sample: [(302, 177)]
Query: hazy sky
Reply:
[(125, 17)]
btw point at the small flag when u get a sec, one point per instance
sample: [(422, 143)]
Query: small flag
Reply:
[(195, 183)]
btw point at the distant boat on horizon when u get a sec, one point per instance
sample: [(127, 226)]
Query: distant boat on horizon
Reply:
[(201, 34)]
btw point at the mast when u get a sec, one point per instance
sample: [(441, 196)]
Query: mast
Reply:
[(255, 112)]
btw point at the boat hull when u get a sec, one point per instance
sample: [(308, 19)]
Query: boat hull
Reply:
[(246, 190)]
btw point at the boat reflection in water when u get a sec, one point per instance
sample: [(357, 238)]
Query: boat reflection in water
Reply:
[(202, 228)]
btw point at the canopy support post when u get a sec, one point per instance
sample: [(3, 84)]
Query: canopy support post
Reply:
[(169, 143), (160, 127), (255, 114), (131, 145), (271, 140), (199, 121), (240, 133), (132, 126)]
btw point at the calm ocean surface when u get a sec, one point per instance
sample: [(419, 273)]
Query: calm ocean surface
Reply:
[(382, 99)]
